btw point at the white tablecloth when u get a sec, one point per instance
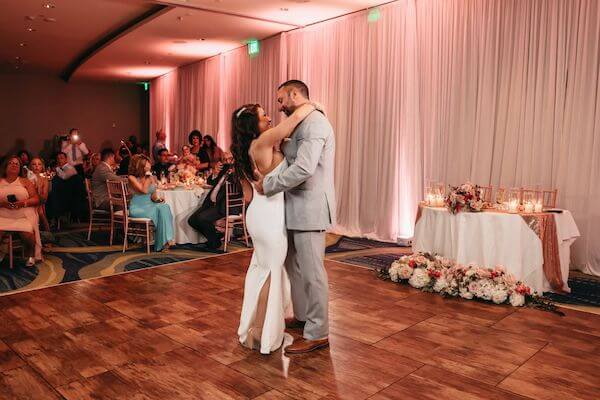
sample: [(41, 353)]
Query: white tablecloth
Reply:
[(490, 239), (183, 203)]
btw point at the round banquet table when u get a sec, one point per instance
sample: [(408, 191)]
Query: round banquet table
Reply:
[(494, 238), (183, 203)]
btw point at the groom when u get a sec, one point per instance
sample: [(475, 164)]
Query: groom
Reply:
[(309, 211)]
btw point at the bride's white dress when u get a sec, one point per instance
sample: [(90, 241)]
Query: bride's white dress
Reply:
[(262, 322)]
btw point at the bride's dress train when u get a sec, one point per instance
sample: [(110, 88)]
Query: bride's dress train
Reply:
[(267, 287)]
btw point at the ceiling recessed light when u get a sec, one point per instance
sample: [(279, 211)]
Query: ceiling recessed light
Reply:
[(17, 58), (147, 62), (180, 18), (50, 19), (30, 17), (22, 44), (48, 5), (30, 29)]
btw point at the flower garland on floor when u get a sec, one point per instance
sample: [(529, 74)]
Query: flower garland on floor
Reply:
[(432, 273)]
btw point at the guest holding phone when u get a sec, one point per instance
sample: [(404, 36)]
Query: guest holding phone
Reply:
[(18, 203)]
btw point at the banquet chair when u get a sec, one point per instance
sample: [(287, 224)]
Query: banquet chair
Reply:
[(234, 199), (13, 244), (96, 214), (118, 196), (549, 198), (486, 193), (500, 195)]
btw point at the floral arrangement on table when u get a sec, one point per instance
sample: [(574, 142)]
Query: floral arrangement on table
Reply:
[(185, 174), (441, 275), (466, 197)]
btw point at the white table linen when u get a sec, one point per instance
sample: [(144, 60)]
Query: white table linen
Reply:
[(184, 203), (490, 239)]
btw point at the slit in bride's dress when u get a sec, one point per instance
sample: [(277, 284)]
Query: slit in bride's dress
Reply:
[(253, 339)]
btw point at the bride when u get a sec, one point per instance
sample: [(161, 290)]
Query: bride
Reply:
[(256, 146)]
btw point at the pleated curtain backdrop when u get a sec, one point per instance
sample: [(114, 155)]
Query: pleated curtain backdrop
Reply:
[(493, 91)]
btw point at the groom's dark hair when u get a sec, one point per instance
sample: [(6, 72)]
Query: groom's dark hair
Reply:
[(296, 84)]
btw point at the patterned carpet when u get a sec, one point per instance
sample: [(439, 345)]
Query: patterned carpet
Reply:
[(71, 257), (585, 290)]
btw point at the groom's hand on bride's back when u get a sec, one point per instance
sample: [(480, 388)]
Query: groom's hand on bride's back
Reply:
[(258, 183)]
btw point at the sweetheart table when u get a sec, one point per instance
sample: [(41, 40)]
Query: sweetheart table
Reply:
[(535, 248)]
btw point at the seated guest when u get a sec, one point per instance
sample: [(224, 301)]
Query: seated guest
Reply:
[(42, 186), (102, 173), (161, 167), (145, 202), (214, 152), (68, 191), (75, 150), (159, 144), (90, 163), (188, 158), (124, 164), (18, 203), (214, 208), (195, 139), (24, 157)]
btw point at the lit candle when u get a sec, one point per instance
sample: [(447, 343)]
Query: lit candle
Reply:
[(430, 200), (528, 207), (513, 206), (538, 207)]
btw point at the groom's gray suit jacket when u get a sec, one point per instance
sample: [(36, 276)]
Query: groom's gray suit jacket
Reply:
[(308, 180)]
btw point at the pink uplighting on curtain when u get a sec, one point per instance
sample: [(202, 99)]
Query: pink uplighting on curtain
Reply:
[(493, 91)]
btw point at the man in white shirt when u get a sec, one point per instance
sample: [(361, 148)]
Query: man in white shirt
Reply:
[(64, 170), (75, 150)]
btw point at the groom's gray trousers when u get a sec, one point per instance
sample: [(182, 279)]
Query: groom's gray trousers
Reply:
[(308, 278)]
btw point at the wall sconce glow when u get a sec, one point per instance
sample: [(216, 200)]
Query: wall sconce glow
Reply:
[(374, 14), (253, 47)]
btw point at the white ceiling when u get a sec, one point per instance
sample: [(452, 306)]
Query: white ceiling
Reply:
[(153, 47)]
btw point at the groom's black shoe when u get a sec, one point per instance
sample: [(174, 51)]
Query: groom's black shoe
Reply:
[(294, 324), (302, 345)]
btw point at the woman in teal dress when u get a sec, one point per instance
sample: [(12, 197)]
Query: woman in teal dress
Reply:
[(145, 202)]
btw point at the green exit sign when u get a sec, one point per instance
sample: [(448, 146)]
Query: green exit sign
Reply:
[(374, 14), (253, 47)]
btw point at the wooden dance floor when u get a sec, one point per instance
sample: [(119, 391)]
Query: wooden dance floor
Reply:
[(170, 333)]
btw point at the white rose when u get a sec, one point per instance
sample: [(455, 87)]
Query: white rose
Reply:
[(517, 300), (499, 296), (486, 290), (405, 272), (465, 294), (420, 278), (393, 272), (440, 284)]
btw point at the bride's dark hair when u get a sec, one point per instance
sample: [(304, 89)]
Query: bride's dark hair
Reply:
[(244, 129)]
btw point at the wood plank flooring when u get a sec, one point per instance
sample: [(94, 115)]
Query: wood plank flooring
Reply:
[(170, 333)]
